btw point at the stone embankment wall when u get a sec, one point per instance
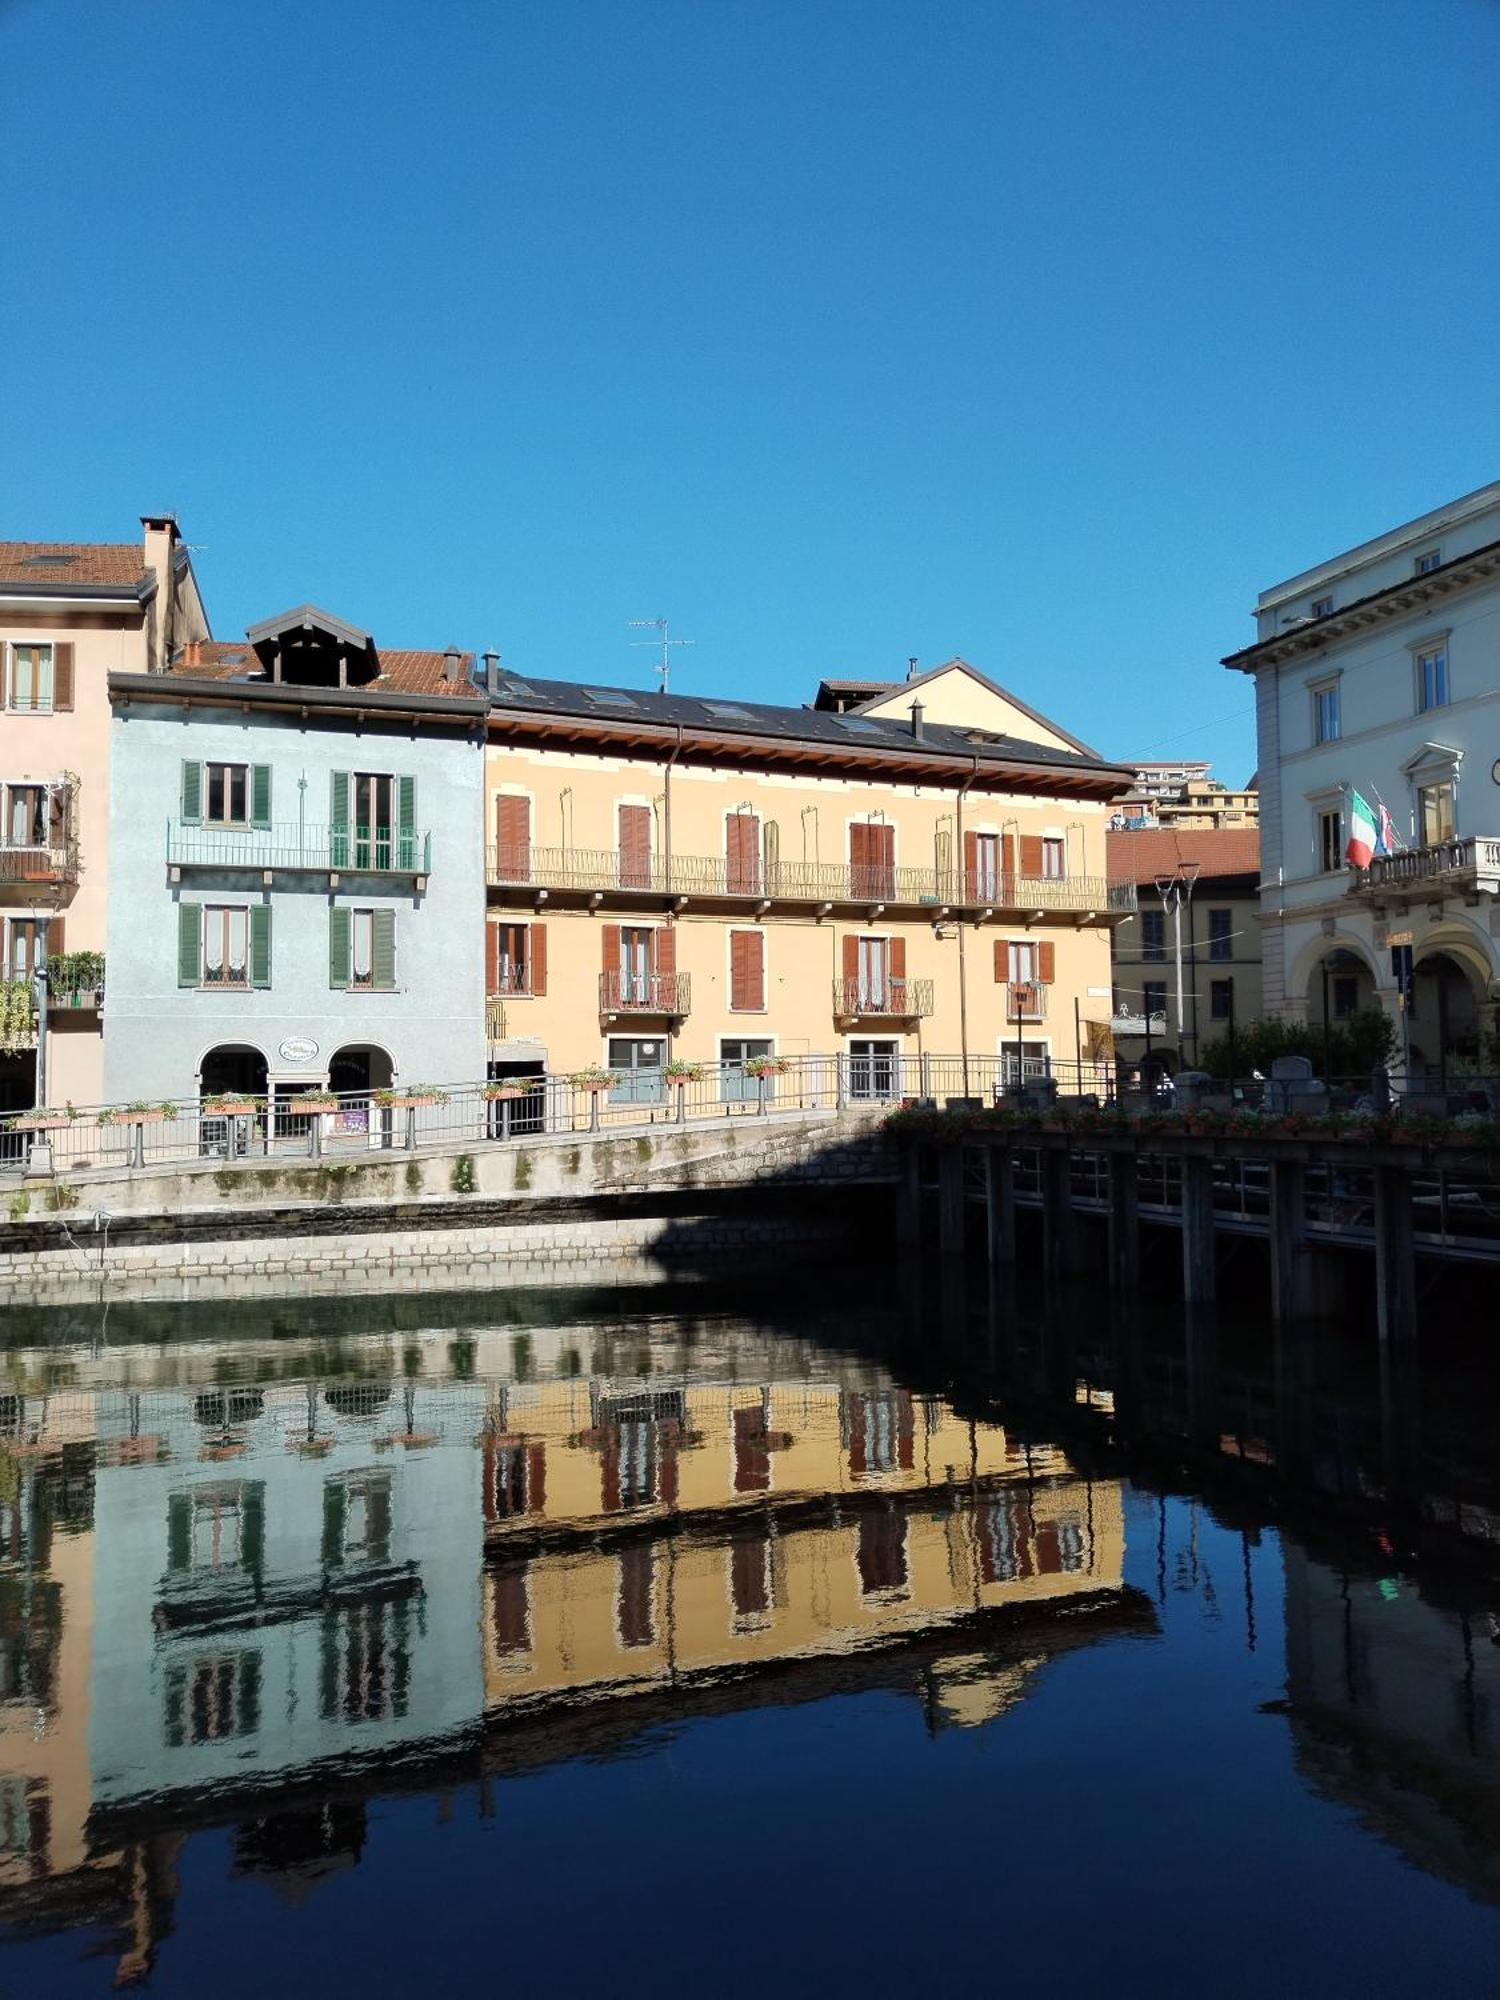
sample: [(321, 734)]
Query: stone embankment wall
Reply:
[(608, 1209)]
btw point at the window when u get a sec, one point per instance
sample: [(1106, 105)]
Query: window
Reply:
[(1022, 967), (30, 690), (211, 1529), (1345, 995), (1435, 812), (1153, 933), (747, 972), (227, 787), (1221, 934), (27, 935), (1220, 999), (1331, 841), (637, 1060), (1427, 562), (873, 977), (357, 1520), (635, 847), (211, 1698), (1322, 607), (985, 887), (872, 859), (1054, 859), (635, 1608), (734, 1052), (372, 821), (517, 958), (874, 1069), (373, 953), (226, 945), (742, 853), (1154, 1000), (1326, 713), (1432, 677), (25, 816)]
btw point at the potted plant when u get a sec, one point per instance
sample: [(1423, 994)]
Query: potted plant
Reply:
[(594, 1078), (45, 1119), (759, 1066), (75, 978), (229, 1104), (141, 1112), (406, 1096), (505, 1089), (679, 1071), (313, 1100)]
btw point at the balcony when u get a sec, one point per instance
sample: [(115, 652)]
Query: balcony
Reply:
[(1025, 1000), (1126, 1023), (286, 847), (882, 1000), (664, 993), (602, 872), (1468, 867)]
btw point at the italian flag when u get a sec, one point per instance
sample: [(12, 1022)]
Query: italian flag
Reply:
[(1361, 832)]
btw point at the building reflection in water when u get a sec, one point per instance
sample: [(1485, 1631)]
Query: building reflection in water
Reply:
[(236, 1576)]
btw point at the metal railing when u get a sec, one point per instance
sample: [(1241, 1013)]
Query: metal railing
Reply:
[(669, 993), (602, 870), (882, 999), (1473, 862), (358, 850), (1025, 1000), (53, 861)]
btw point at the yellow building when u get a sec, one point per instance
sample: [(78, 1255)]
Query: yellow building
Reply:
[(704, 880), (639, 1535)]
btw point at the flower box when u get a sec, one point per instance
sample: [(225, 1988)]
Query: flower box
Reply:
[(138, 1114), (594, 1079), (229, 1107), (44, 1121), (311, 1101), (502, 1093), (408, 1100), (684, 1072)]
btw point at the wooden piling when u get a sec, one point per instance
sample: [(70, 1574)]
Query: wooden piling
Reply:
[(1197, 1230), (1124, 1223)]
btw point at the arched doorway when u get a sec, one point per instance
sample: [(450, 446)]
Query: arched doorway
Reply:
[(1446, 1025), (1339, 986), (359, 1066), (232, 1068)]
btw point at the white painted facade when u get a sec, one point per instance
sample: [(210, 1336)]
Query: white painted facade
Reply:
[(1378, 672)]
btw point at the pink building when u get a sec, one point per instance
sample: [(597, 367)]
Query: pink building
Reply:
[(71, 613)]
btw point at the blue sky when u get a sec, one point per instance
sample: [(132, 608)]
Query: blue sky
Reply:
[(1045, 333)]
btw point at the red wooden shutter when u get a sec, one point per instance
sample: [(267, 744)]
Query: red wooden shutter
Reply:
[(971, 866), (739, 970), (859, 861), (664, 949), (756, 970), (1002, 960), (883, 842), (1046, 958), (635, 847), (851, 957), (492, 958), (1031, 855), (62, 676), (513, 837), (55, 938), (742, 853), (1007, 854), (610, 933), (538, 958), (898, 958)]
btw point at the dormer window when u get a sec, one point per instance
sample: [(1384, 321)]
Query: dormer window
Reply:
[(310, 648), (1322, 607), (1427, 561)]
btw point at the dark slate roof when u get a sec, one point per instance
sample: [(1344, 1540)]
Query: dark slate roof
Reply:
[(523, 695)]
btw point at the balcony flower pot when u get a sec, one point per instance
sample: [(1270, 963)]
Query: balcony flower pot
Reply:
[(409, 1099), (45, 1121), (138, 1114), (229, 1104), (313, 1100), (594, 1079), (767, 1066), (503, 1093), (684, 1072)]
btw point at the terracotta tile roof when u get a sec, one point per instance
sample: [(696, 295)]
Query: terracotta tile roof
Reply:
[(401, 671), (87, 565), (1143, 854)]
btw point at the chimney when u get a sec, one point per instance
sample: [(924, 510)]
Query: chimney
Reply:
[(492, 673), (917, 712), (193, 653), (911, 666), (451, 659)]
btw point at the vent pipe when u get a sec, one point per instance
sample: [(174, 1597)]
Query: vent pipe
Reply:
[(492, 673), (451, 658), (911, 666), (917, 712)]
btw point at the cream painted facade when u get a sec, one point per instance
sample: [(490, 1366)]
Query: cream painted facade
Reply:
[(981, 921), (55, 739)]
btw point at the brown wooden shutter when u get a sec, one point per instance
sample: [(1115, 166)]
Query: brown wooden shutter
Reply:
[(1007, 854), (971, 866), (1046, 959), (1002, 960), (851, 957), (1031, 855), (538, 958), (492, 958), (55, 946), (757, 969), (664, 949), (635, 847), (610, 933), (898, 958), (513, 836), (742, 853), (739, 971), (62, 675)]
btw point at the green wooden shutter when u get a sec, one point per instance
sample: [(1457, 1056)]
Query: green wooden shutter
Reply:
[(189, 943), (179, 1530), (260, 944), (383, 950), (338, 947), (338, 819), (260, 795), (406, 821), (192, 794)]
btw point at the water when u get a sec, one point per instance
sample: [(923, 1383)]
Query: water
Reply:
[(369, 1647)]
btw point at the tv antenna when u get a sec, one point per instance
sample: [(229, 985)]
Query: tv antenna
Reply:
[(659, 626)]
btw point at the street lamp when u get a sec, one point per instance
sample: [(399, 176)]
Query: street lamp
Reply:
[(1175, 890)]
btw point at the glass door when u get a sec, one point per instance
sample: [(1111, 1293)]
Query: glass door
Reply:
[(373, 819), (874, 1069), (874, 967), (638, 1061)]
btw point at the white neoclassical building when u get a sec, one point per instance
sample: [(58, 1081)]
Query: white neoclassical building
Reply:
[(1377, 673)]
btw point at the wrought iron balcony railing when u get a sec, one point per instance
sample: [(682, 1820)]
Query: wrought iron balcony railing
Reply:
[(605, 871), (1025, 1000), (668, 993), (39, 862), (882, 999), (1471, 864), (289, 846)]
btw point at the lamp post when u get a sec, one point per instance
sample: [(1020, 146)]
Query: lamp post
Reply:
[(1174, 891)]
